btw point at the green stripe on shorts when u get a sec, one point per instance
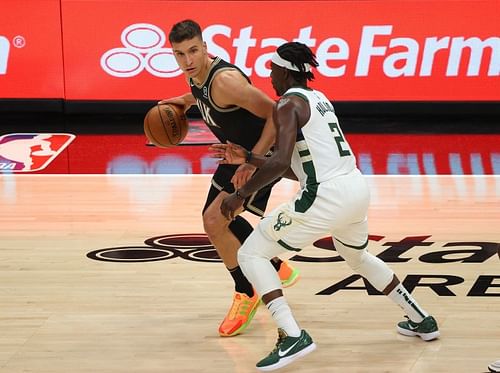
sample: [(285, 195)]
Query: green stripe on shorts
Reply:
[(354, 247), (286, 246)]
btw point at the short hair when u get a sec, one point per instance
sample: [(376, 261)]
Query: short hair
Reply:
[(298, 54), (184, 30)]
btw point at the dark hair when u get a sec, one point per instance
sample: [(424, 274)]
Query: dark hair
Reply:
[(184, 30), (298, 54)]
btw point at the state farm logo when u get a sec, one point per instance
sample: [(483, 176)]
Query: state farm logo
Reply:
[(143, 49), (381, 48), (198, 248), (4, 54)]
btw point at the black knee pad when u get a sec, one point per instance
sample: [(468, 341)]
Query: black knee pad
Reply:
[(241, 228)]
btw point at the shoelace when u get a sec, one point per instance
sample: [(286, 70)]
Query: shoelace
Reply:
[(281, 338), (411, 324), (237, 304)]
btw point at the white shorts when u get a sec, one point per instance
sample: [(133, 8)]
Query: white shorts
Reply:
[(338, 209)]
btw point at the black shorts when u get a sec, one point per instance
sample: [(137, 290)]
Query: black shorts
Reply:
[(221, 181)]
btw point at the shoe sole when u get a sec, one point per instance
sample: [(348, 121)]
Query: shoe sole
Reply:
[(244, 326), (495, 367), (288, 360), (425, 336)]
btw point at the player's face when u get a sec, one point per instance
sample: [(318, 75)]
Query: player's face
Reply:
[(191, 56), (278, 79)]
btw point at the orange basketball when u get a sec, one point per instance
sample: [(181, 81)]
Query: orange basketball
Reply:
[(166, 125)]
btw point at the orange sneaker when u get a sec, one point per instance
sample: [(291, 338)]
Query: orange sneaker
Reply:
[(239, 316), (288, 274)]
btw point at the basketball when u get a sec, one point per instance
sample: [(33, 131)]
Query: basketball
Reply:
[(166, 125)]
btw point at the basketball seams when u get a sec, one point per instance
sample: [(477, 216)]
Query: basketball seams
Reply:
[(163, 124), (148, 131), (162, 130), (183, 129)]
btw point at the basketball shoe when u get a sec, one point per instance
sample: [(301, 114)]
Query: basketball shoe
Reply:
[(287, 350), (288, 275), (244, 307), (427, 329), (494, 367), (240, 314)]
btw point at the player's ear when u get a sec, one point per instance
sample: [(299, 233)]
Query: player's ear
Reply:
[(286, 74), (205, 50)]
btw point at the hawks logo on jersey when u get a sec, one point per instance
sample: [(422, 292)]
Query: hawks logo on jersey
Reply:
[(28, 152)]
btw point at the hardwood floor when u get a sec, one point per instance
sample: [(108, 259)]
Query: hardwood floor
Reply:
[(62, 311)]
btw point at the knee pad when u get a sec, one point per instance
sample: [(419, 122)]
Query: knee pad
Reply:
[(241, 228)]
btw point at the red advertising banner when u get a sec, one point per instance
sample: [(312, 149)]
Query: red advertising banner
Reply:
[(367, 50), (400, 155), (31, 64)]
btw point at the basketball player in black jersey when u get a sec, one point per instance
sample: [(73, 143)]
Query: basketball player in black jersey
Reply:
[(236, 111)]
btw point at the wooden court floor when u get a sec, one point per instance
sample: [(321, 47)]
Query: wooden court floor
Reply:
[(62, 310)]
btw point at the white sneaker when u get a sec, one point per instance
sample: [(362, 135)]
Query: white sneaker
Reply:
[(494, 367)]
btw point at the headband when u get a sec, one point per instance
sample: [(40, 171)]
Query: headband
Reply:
[(278, 60)]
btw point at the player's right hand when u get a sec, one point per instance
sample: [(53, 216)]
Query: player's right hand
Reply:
[(173, 100), (230, 205), (179, 100)]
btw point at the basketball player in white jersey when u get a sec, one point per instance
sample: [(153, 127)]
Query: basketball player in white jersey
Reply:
[(333, 200)]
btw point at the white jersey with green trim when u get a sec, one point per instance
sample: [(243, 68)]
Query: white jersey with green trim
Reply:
[(321, 152)]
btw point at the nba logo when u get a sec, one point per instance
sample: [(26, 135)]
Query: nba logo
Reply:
[(29, 152)]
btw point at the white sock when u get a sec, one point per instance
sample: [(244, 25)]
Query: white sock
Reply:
[(282, 314), (404, 299)]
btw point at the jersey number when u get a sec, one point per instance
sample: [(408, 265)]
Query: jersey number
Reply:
[(339, 139)]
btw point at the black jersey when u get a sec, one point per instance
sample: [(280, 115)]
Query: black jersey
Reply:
[(235, 124)]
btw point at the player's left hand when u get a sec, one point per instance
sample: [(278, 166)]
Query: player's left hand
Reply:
[(242, 174), (228, 153), (230, 205)]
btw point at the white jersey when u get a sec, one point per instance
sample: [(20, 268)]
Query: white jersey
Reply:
[(321, 152)]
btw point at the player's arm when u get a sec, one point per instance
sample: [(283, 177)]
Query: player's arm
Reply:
[(289, 174), (187, 100), (231, 88), (287, 117), (236, 154)]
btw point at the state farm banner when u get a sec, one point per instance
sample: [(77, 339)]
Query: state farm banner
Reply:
[(367, 50), (31, 63)]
